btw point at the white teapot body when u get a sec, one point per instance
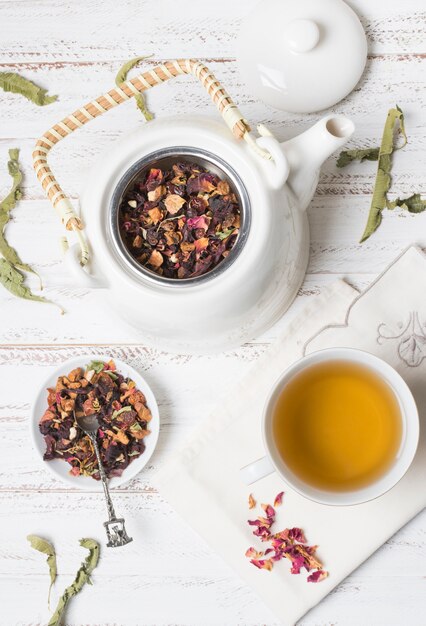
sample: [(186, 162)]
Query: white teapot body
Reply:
[(232, 306)]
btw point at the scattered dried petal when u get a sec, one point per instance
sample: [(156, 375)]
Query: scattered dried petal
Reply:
[(317, 576), (278, 499), (263, 563), (251, 502), (289, 544)]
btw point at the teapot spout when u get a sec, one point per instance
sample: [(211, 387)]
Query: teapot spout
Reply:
[(308, 151)]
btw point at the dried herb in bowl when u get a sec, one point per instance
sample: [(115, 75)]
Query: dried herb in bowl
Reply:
[(122, 413), (179, 222)]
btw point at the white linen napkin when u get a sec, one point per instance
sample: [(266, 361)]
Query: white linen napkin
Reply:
[(202, 481)]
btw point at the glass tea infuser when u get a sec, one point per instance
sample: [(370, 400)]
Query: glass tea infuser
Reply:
[(274, 182)]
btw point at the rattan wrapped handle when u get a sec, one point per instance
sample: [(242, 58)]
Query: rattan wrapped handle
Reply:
[(159, 74)]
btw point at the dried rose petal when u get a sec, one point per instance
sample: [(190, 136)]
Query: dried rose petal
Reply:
[(269, 510), (263, 563), (289, 544), (317, 576), (296, 534), (252, 553), (251, 502), (201, 221), (296, 564), (278, 499)]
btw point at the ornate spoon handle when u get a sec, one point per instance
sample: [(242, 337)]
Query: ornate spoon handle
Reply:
[(116, 531)]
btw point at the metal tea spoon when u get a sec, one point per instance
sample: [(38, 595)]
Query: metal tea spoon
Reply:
[(115, 529)]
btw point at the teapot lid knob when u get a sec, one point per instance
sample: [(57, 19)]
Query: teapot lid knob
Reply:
[(302, 35)]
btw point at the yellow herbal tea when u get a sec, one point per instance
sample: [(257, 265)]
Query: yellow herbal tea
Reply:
[(337, 426)]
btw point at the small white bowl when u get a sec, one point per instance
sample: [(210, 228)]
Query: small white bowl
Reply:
[(61, 468)]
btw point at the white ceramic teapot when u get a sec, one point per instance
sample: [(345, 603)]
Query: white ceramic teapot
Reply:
[(274, 182)]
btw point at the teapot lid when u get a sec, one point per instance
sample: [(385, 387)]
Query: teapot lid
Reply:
[(302, 55)]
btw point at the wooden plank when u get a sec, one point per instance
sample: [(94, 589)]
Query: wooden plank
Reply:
[(157, 601), (387, 80), (190, 30), (167, 560)]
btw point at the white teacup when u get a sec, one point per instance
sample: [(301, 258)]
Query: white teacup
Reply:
[(409, 440)]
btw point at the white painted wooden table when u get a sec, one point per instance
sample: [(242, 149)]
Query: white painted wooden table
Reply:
[(171, 577)]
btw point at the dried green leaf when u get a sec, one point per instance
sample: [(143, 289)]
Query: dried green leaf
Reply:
[(13, 281), (122, 77), (15, 83), (96, 366), (44, 546), (6, 207), (120, 411), (224, 234), (112, 375), (366, 154), (383, 178), (15, 193), (413, 204), (82, 577)]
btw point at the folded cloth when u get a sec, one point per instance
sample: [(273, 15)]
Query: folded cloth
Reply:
[(202, 481)]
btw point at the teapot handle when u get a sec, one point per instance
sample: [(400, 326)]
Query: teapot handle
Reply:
[(128, 89)]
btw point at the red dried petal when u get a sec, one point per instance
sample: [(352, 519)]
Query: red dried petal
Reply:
[(263, 563), (289, 543), (296, 534), (252, 553), (269, 510), (317, 576), (251, 502), (296, 564), (278, 499)]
